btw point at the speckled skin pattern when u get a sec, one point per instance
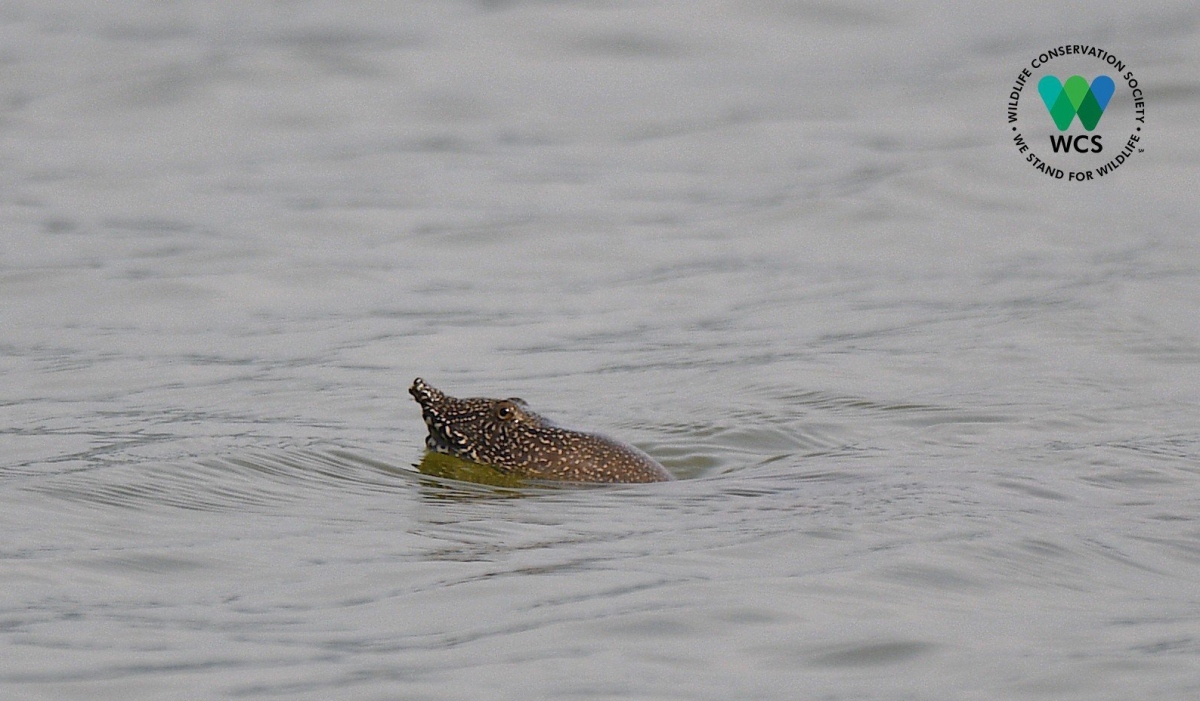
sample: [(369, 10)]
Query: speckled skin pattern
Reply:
[(505, 434)]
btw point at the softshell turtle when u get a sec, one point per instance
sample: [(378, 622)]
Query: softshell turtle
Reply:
[(507, 435)]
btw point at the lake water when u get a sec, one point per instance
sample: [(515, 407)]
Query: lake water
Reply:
[(936, 415)]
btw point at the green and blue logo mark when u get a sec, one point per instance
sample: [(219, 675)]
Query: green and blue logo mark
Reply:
[(1060, 147), (1075, 97)]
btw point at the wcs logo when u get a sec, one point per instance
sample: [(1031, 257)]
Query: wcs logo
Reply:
[(1091, 152), (1074, 98)]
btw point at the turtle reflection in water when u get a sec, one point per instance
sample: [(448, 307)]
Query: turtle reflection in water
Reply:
[(506, 435)]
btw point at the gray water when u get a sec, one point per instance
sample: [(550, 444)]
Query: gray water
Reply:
[(936, 415)]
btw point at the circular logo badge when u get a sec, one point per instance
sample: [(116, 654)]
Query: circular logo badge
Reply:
[(1077, 113)]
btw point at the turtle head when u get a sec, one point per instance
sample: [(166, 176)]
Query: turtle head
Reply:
[(482, 430)]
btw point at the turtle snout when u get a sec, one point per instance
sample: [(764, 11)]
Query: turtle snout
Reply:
[(423, 392)]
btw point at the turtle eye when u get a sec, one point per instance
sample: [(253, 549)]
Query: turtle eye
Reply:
[(505, 411)]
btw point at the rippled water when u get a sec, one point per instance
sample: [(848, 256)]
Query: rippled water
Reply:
[(936, 415)]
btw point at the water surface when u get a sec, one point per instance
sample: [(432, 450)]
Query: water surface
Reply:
[(935, 414)]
